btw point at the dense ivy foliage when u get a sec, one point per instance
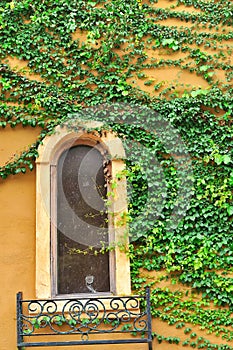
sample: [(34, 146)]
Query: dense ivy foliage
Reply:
[(80, 54)]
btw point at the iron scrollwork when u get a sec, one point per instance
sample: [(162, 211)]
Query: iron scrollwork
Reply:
[(84, 317)]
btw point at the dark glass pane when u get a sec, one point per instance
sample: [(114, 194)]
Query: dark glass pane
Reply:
[(81, 222)]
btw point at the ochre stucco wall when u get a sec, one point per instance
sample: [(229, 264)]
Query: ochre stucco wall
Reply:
[(18, 204), (17, 234)]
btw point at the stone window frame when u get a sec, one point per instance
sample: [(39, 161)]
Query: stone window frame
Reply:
[(49, 153)]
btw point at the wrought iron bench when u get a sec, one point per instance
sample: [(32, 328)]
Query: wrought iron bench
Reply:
[(84, 321)]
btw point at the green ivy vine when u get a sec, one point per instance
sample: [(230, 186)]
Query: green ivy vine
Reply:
[(61, 57)]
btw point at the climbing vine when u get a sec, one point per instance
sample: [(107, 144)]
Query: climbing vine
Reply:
[(60, 58)]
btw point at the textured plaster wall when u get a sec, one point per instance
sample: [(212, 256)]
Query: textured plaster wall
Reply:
[(17, 216)]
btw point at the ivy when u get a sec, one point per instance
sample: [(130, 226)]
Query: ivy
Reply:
[(85, 58)]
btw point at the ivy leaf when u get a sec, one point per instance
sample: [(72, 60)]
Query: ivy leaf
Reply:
[(204, 68), (199, 92), (226, 159), (92, 3), (230, 210), (12, 5), (231, 179), (218, 159)]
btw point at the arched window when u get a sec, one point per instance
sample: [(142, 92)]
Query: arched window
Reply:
[(74, 225), (82, 222)]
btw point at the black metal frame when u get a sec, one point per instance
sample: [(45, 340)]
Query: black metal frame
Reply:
[(83, 318)]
